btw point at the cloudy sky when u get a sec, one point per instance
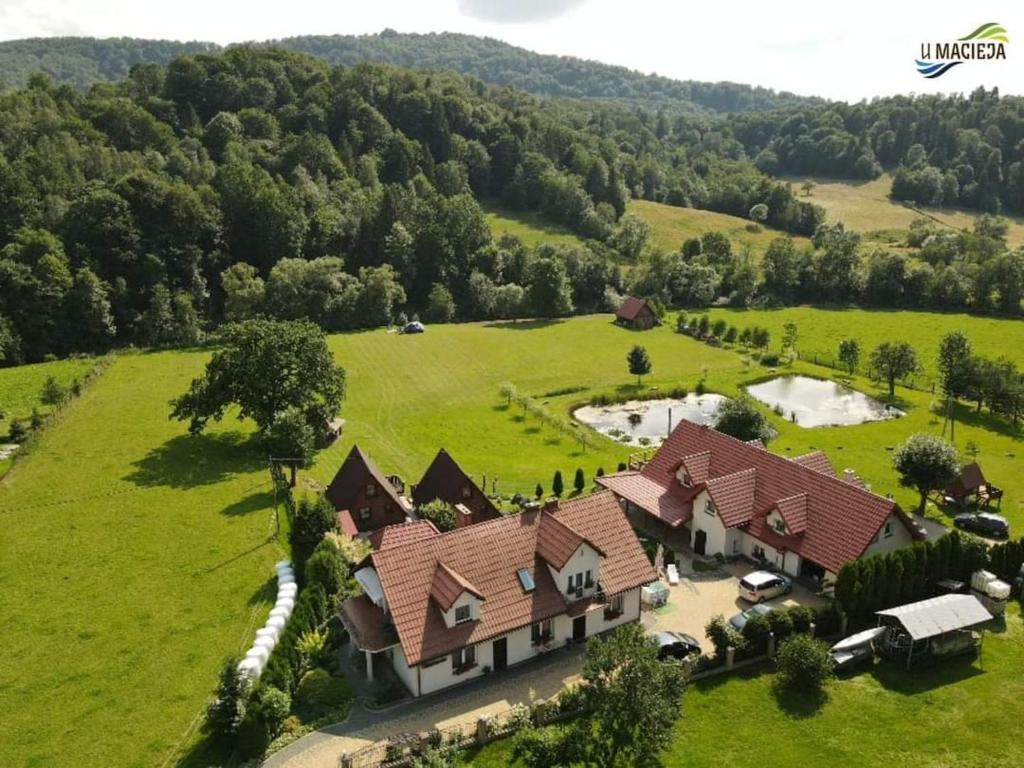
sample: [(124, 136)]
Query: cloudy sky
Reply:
[(796, 45)]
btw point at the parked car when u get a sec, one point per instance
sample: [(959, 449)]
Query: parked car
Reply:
[(764, 585), (676, 645), (984, 523), (414, 327), (739, 621)]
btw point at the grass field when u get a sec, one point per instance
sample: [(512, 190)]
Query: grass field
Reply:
[(954, 714), (670, 226), (532, 228), (865, 206), (20, 386), (133, 560)]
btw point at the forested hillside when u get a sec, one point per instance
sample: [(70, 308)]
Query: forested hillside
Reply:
[(83, 61), (260, 180), (943, 150)]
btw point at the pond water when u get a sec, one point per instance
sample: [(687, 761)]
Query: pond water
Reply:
[(653, 426), (820, 403)]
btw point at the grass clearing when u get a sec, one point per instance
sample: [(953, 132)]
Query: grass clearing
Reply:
[(532, 228), (133, 560), (865, 206), (671, 225), (956, 713), (20, 386)]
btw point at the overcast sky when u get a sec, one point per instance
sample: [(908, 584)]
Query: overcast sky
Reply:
[(795, 45)]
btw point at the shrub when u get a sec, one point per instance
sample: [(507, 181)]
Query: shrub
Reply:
[(723, 635), (226, 713), (780, 623), (270, 704), (319, 690), (53, 393), (756, 632), (17, 431), (622, 466), (557, 485), (314, 517), (579, 482), (801, 617), (312, 647), (327, 567), (805, 663), (440, 513), (700, 389)]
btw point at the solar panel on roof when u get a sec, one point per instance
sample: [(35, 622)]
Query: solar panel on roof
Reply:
[(526, 579)]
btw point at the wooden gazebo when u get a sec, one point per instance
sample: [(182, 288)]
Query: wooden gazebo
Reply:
[(971, 484)]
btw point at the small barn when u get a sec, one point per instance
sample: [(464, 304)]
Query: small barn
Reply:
[(971, 484), (636, 314), (933, 628)]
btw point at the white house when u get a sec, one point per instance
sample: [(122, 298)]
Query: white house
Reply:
[(444, 608), (733, 498)]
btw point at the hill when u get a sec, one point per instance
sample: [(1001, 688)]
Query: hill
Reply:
[(82, 61)]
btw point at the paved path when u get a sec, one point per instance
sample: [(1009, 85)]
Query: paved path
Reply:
[(539, 679)]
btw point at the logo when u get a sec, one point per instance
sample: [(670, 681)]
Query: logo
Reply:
[(986, 43)]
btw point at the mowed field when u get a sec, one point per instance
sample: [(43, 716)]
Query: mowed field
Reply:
[(532, 228), (21, 386), (865, 206), (671, 225), (133, 560), (954, 715)]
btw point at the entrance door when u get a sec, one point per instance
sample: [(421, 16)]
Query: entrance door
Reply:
[(499, 649), (700, 542), (579, 629)]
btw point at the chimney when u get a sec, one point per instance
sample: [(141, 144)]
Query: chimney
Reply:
[(850, 476), (550, 506)]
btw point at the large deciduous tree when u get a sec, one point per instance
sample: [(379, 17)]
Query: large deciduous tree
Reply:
[(639, 362), (740, 418), (925, 463), (892, 361), (266, 367)]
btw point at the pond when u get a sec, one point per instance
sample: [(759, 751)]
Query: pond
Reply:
[(646, 422), (813, 402)]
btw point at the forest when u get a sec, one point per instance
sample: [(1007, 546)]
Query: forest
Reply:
[(261, 181)]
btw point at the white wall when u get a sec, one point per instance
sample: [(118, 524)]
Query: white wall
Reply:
[(583, 559), (466, 598), (405, 673), (900, 538), (718, 540)]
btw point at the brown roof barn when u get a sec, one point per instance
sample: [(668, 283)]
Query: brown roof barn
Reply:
[(636, 314), (445, 480), (363, 497)]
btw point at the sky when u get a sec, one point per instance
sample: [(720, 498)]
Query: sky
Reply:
[(849, 52)]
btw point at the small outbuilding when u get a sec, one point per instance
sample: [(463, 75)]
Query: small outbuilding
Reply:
[(933, 628), (971, 483), (636, 314)]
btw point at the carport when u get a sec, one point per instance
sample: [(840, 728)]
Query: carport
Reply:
[(939, 626)]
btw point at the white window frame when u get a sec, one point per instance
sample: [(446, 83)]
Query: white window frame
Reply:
[(888, 531), (466, 616)]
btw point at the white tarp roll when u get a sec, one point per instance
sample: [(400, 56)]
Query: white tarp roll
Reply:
[(276, 621)]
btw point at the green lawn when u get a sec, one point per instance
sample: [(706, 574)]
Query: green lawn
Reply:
[(20, 386), (865, 206), (957, 713), (133, 560), (671, 225), (532, 228)]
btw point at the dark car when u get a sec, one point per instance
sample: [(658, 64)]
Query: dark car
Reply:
[(984, 524), (676, 645), (739, 621), (414, 327)]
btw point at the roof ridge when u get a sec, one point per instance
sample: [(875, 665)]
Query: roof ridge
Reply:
[(731, 474)]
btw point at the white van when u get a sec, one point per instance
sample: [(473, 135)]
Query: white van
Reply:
[(764, 585)]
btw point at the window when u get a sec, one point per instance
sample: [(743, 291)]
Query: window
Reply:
[(463, 659), (467, 492), (526, 579), (575, 582), (589, 582), (613, 607), (371, 490), (540, 632), (463, 613), (888, 529), (758, 552), (687, 480), (364, 513), (709, 508), (779, 526)]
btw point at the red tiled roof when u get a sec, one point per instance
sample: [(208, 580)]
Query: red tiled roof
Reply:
[(631, 307), (488, 556), (793, 511), (347, 524), (696, 466), (445, 480), (396, 535), (733, 496), (672, 505), (447, 586), (367, 624), (817, 461), (841, 519), (557, 542)]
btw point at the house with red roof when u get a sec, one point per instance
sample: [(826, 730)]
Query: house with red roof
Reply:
[(727, 497), (636, 314), (365, 499), (444, 608)]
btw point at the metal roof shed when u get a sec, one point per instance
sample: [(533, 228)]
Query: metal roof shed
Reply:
[(919, 626)]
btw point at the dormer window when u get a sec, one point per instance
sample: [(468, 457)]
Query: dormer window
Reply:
[(709, 508), (364, 514), (463, 614), (467, 492), (687, 480), (779, 526), (371, 490)]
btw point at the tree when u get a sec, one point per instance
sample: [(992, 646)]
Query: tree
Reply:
[(227, 711), (639, 362), (266, 367), (632, 701), (579, 482), (557, 486), (440, 513), (630, 237), (925, 463), (314, 518), (87, 313), (849, 354), (327, 567), (538, 491), (805, 663), (53, 393), (893, 360), (740, 418), (440, 305), (789, 335), (244, 291), (549, 293), (291, 438), (956, 369)]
